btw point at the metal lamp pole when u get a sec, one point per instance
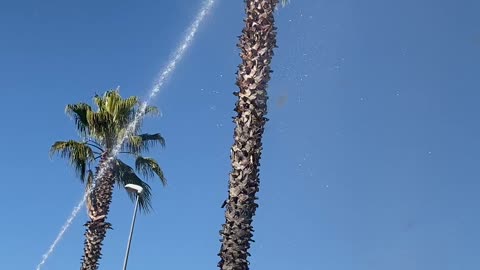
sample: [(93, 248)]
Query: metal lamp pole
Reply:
[(137, 189)]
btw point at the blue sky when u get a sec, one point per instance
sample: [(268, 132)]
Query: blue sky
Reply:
[(370, 155)]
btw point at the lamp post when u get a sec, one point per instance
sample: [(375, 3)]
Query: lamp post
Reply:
[(137, 190)]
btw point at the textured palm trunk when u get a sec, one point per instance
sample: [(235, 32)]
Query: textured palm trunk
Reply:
[(98, 205), (257, 42)]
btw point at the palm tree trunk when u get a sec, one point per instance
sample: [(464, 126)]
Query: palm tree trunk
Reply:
[(98, 205), (257, 42)]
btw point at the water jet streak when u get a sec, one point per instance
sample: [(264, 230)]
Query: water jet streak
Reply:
[(164, 75), (62, 232)]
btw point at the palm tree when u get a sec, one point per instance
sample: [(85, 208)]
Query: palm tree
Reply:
[(256, 43), (100, 131)]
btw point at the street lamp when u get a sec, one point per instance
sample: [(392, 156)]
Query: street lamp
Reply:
[(137, 190)]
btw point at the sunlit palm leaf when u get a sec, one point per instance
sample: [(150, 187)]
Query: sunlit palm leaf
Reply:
[(79, 154), (113, 115), (124, 174), (121, 109), (149, 167)]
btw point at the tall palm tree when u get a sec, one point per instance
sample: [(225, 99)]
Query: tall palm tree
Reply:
[(256, 43), (100, 131)]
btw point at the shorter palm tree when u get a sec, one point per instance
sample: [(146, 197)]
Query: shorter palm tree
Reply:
[(100, 131)]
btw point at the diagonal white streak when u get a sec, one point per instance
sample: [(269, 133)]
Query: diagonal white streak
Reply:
[(61, 233), (164, 75)]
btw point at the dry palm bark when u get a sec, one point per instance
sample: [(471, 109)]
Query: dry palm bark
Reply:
[(257, 42), (98, 205)]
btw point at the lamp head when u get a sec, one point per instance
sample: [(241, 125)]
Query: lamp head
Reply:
[(134, 188)]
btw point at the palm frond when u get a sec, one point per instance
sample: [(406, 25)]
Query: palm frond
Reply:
[(79, 113), (79, 154), (124, 174), (149, 167), (126, 106), (123, 110), (113, 115), (138, 144), (101, 126), (139, 114)]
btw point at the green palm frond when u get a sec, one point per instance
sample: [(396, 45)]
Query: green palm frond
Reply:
[(114, 104), (137, 144), (127, 110), (122, 109), (113, 115), (79, 154), (124, 174), (79, 113), (101, 127), (149, 167)]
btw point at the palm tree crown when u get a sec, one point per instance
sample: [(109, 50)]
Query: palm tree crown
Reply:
[(100, 131)]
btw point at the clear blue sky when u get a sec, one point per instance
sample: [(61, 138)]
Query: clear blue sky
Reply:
[(371, 154)]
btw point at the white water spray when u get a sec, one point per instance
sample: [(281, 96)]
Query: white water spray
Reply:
[(167, 71)]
